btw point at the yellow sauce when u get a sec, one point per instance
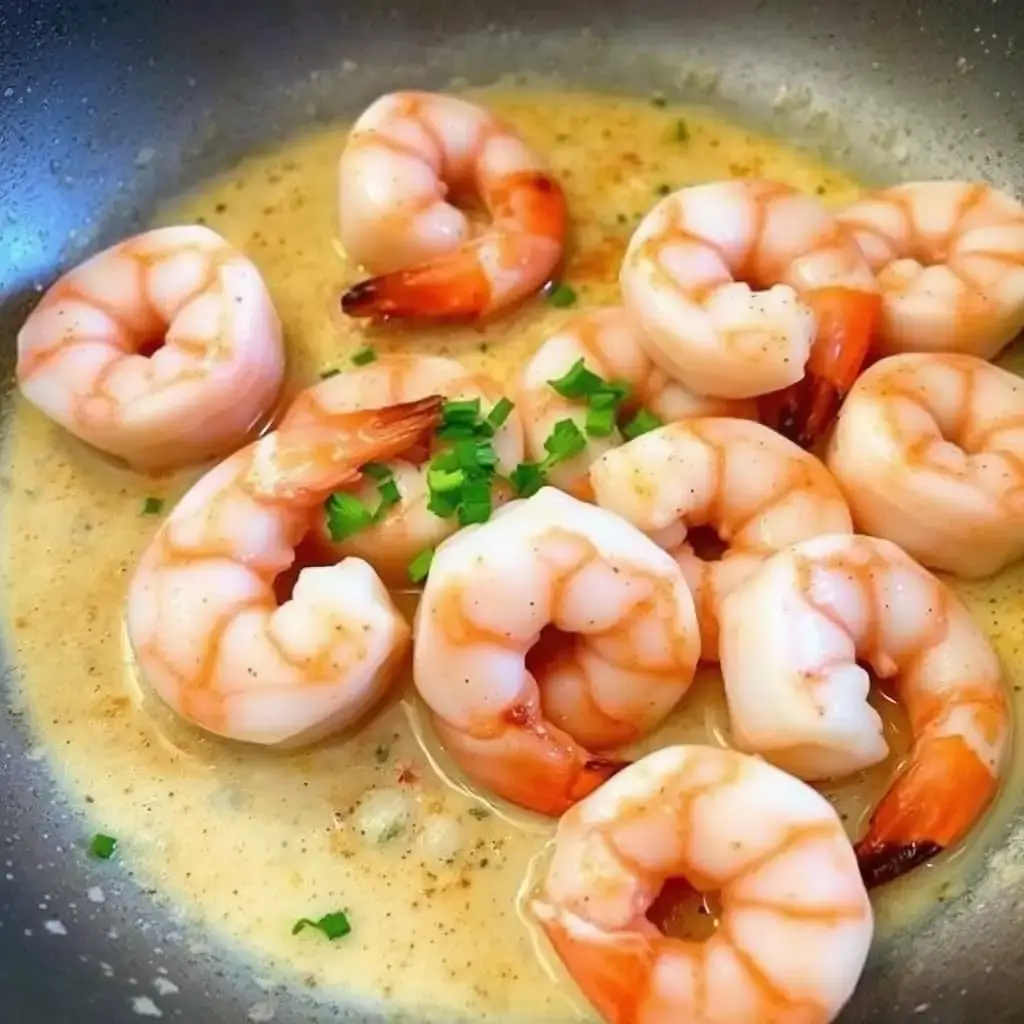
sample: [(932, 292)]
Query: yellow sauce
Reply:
[(248, 840)]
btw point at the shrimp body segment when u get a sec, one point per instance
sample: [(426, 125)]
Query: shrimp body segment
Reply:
[(795, 923), (164, 349), (406, 153), (688, 276), (792, 637), (203, 618), (929, 448), (609, 341), (949, 256), (755, 490), (408, 527), (553, 630)]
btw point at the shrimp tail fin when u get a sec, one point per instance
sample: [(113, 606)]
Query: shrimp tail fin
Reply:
[(310, 462), (530, 762), (846, 321), (451, 288), (931, 805), (617, 968)]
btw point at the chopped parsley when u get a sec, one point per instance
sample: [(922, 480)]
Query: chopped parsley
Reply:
[(642, 423), (419, 567), (102, 847), (152, 506), (562, 296), (348, 515), (364, 356), (334, 925), (332, 371)]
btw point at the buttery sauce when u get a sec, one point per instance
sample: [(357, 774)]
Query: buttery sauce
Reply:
[(377, 822)]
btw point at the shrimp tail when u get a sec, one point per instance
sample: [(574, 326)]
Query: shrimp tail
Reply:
[(451, 288), (846, 320), (308, 462), (531, 764), (618, 967), (934, 803), (520, 256)]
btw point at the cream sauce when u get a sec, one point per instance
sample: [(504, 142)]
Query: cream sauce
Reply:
[(249, 840)]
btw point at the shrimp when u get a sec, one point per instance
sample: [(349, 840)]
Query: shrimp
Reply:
[(792, 637), (552, 630), (203, 619), (404, 154), (795, 923), (609, 343), (163, 350), (949, 256), (801, 342), (757, 491), (408, 527), (929, 448)]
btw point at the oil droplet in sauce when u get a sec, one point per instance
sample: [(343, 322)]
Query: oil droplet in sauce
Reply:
[(378, 821)]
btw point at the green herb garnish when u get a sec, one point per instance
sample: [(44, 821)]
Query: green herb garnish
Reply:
[(562, 296), (346, 516), (464, 412), (497, 416), (460, 478), (642, 423), (102, 847), (682, 131), (419, 567), (664, 189), (476, 505), (577, 381), (564, 442), (526, 479), (152, 506), (334, 925), (600, 422), (364, 356), (331, 372)]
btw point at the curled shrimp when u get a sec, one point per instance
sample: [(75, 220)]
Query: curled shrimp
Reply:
[(792, 637), (609, 343), (407, 527), (552, 630), (949, 256), (203, 618), (795, 922), (163, 350), (756, 491), (687, 278), (929, 449), (405, 153)]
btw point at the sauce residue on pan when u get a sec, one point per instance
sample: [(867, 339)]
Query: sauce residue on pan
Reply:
[(376, 822)]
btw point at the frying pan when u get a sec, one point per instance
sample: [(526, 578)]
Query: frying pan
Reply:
[(106, 106)]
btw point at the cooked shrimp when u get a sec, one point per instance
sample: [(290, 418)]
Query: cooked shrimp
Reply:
[(929, 449), (687, 276), (795, 923), (608, 341), (163, 350), (405, 153), (203, 620), (409, 526), (792, 637), (757, 491), (550, 631), (949, 256)]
